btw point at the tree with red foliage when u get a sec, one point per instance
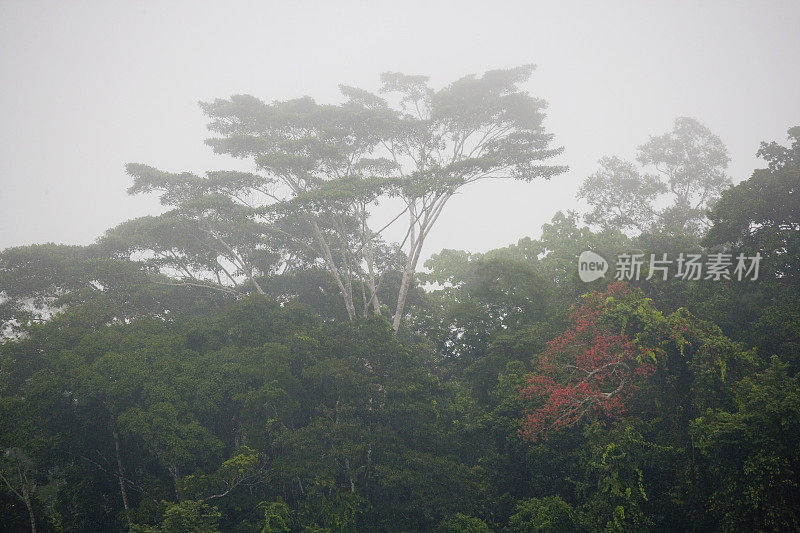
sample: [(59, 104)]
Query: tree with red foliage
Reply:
[(595, 365)]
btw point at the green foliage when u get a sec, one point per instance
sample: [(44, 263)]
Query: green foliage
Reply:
[(461, 523), (338, 512), (615, 463), (750, 458), (556, 252), (762, 215), (480, 296), (550, 514), (187, 516), (277, 517)]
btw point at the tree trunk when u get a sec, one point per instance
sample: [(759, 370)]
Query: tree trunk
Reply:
[(173, 470), (401, 295), (26, 497), (337, 275), (350, 476), (120, 477), (373, 287), (407, 271), (415, 243)]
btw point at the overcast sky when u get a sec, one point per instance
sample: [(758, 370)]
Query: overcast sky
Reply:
[(86, 87)]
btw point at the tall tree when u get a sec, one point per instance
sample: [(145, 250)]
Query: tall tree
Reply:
[(691, 160), (683, 169), (321, 168)]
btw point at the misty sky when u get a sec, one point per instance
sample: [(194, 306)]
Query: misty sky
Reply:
[(86, 87)]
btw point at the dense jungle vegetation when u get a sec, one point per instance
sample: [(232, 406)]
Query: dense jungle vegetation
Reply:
[(258, 358)]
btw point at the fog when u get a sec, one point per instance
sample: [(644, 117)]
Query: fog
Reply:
[(89, 86)]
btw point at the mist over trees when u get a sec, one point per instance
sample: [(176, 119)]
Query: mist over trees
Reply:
[(260, 358), (322, 167), (687, 165)]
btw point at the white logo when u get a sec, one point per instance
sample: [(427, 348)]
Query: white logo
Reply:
[(591, 266)]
